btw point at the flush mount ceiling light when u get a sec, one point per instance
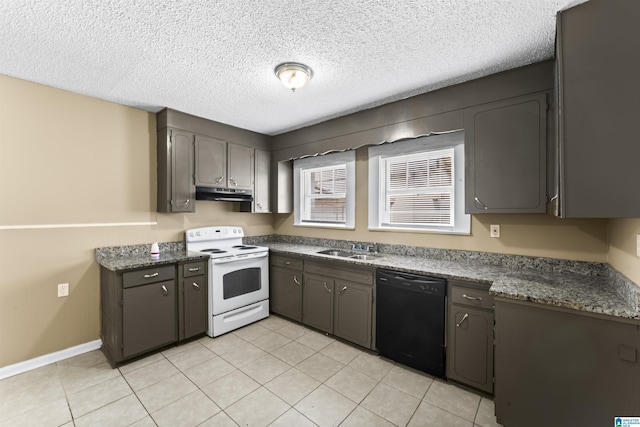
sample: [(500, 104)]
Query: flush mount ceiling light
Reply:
[(293, 74)]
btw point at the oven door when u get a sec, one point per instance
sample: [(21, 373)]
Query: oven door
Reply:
[(236, 283)]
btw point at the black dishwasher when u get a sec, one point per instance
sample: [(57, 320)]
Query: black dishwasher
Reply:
[(410, 319)]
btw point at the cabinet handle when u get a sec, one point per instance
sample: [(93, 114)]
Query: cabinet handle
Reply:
[(220, 179), (194, 269), (462, 320), (187, 202), (195, 285), (287, 263), (482, 205), (342, 290), (325, 287), (233, 182), (149, 276), (295, 279), (471, 298), (259, 206), (165, 291)]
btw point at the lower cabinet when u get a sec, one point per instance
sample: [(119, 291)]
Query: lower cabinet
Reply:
[(317, 302), (338, 299), (147, 309), (470, 335), (352, 317), (560, 367), (285, 286), (334, 297), (148, 317), (194, 309)]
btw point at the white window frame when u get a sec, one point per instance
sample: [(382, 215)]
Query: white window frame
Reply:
[(347, 159), (377, 190)]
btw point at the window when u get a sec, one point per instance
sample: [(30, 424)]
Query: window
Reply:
[(419, 185), (324, 190)]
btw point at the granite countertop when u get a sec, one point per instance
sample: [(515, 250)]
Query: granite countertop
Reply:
[(121, 258), (589, 293)]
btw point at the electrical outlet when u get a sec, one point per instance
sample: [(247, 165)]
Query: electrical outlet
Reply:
[(495, 230), (638, 244), (63, 290)]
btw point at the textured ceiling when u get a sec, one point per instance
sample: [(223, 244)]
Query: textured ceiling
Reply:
[(215, 59)]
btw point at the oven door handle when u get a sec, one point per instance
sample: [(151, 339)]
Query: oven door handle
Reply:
[(234, 259)]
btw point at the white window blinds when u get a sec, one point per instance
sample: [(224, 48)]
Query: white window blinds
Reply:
[(418, 189), (324, 194)]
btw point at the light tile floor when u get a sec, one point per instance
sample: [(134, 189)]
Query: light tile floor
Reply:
[(273, 372)]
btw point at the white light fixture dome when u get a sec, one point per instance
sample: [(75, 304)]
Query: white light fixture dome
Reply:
[(293, 74)]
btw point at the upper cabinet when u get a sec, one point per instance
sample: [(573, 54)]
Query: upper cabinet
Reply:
[(222, 164), (239, 167), (262, 181), (597, 87), (176, 191), (505, 156), (211, 165)]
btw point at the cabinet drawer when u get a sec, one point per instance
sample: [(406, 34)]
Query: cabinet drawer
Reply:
[(148, 275), (286, 262), (193, 269), (348, 274), (471, 296)]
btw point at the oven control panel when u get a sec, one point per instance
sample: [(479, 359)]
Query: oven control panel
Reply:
[(214, 233)]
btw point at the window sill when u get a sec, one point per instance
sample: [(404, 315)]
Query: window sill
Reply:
[(420, 230), (332, 226)]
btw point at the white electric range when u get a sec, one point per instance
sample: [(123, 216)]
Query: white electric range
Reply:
[(238, 277)]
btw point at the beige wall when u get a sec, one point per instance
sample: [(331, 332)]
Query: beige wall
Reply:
[(70, 159), (535, 235), (622, 247)]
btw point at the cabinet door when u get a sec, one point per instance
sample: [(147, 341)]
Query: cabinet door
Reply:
[(211, 161), (240, 167), (285, 292), (505, 153), (262, 180), (352, 318), (195, 306), (562, 368), (176, 191), (598, 94), (317, 302), (149, 317), (470, 348)]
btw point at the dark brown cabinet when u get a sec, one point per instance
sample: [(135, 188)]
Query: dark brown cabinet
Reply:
[(210, 160), (146, 309), (338, 299), (176, 190), (353, 305), (470, 335), (285, 286), (560, 367), (317, 302), (193, 310), (598, 92), (506, 156)]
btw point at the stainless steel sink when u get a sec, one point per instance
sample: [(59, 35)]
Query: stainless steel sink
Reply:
[(343, 254), (335, 252), (365, 257)]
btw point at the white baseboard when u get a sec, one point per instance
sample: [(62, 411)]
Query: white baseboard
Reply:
[(27, 365)]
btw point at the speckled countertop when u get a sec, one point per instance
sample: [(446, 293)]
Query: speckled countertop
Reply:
[(598, 294), (121, 258)]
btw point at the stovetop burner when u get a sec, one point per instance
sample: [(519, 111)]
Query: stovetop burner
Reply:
[(214, 251), (242, 247)]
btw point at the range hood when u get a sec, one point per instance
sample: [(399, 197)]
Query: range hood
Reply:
[(223, 194)]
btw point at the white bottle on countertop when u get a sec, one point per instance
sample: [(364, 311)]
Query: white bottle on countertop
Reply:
[(155, 251)]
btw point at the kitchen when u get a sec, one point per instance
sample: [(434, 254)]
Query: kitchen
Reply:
[(99, 160)]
